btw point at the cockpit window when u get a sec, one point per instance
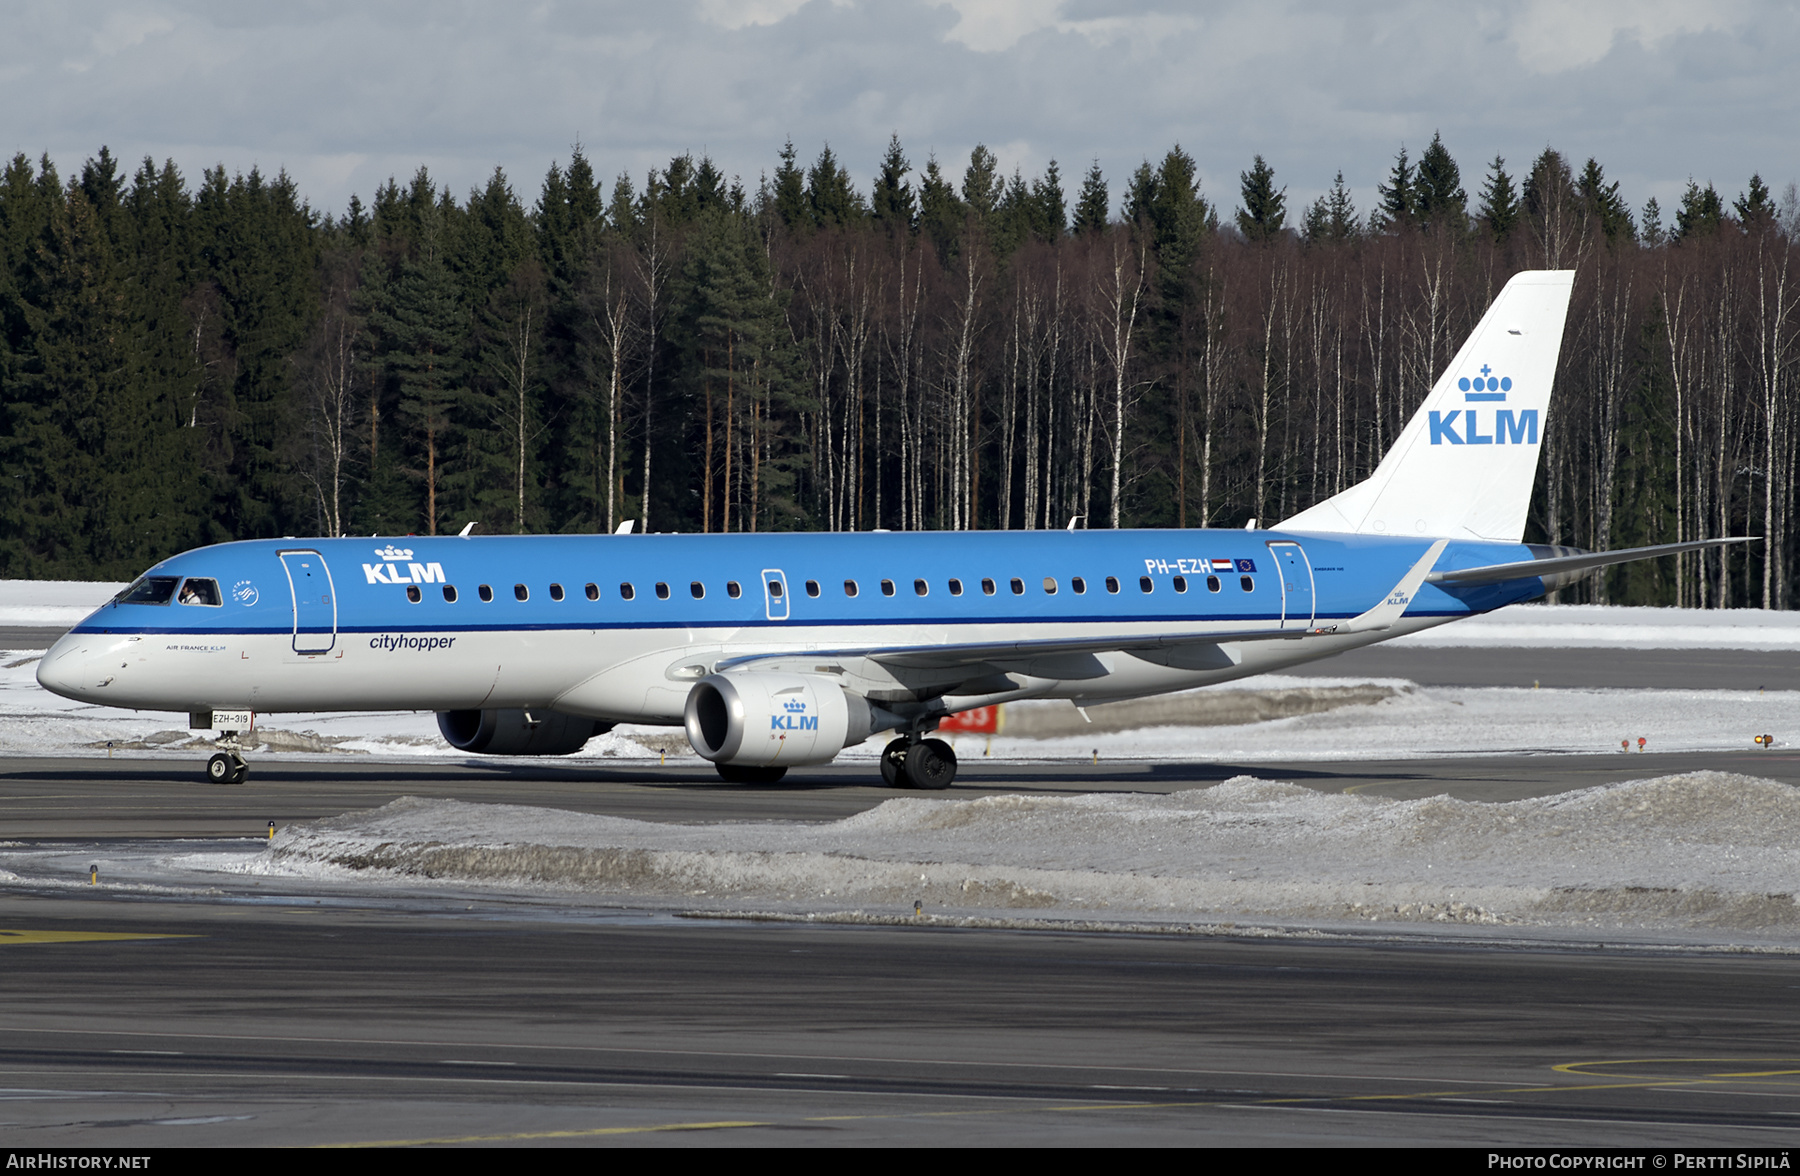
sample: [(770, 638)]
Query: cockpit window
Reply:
[(198, 591), (149, 590)]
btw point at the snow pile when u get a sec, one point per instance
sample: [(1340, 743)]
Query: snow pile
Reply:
[(1701, 851)]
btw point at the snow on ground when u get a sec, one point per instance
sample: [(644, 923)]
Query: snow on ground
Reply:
[(1710, 853), (51, 602)]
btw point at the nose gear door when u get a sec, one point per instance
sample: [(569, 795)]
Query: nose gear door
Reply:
[(315, 601)]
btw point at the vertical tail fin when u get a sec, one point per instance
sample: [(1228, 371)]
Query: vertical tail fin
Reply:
[(1464, 465)]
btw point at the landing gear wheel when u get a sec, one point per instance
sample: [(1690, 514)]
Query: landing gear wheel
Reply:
[(893, 765), (930, 764), (744, 774), (223, 769), (242, 773)]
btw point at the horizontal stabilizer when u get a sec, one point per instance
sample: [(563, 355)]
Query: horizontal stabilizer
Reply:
[(1568, 566)]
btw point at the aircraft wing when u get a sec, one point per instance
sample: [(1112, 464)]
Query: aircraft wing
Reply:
[(970, 655), (1569, 565)]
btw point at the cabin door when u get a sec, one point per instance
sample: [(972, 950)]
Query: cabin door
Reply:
[(775, 594), (315, 601), (1296, 585)]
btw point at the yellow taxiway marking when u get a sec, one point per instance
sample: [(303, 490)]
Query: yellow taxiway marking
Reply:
[(8, 938), (1571, 1068), (581, 1134)]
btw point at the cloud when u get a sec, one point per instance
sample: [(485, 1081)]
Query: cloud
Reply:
[(1556, 35)]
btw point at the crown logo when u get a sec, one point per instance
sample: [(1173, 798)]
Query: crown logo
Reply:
[(795, 706), (1486, 384), (392, 552)]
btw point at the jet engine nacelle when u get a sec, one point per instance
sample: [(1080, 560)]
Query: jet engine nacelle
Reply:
[(768, 719), (517, 732)]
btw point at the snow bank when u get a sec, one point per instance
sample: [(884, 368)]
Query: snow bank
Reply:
[(1706, 851)]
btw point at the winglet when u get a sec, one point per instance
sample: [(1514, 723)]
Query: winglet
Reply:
[(1383, 615), (625, 527), (468, 529)]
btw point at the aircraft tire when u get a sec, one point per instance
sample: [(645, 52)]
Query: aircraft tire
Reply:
[(893, 765), (241, 774), (745, 774), (930, 764), (220, 769)]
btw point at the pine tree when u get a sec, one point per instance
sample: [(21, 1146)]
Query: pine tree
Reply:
[(982, 186), (1438, 196), (790, 191), (1399, 199), (940, 211), (1093, 208), (1263, 215), (1050, 209), (830, 197), (892, 202), (1603, 203), (1700, 215), (1499, 202), (1755, 208), (1653, 234)]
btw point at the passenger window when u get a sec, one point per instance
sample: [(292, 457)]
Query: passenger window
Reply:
[(593, 592), (1018, 586), (1212, 583), (1049, 586), (1112, 583), (920, 588), (1181, 583), (412, 593), (662, 590), (626, 592), (775, 589), (955, 587), (520, 592), (849, 587), (450, 593), (486, 594), (698, 590), (1145, 586), (812, 587), (556, 592), (733, 590), (987, 587), (1247, 583), (1080, 585), (887, 587)]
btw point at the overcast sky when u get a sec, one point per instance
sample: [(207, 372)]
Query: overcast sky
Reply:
[(344, 95)]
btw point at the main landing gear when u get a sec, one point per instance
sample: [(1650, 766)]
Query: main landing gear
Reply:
[(912, 762)]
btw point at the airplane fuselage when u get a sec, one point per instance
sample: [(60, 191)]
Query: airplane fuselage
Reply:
[(620, 627)]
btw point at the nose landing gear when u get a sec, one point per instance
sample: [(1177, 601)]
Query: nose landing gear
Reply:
[(227, 768)]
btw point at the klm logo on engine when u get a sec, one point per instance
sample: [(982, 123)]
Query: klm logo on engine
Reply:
[(795, 717), (1504, 426), (390, 573)]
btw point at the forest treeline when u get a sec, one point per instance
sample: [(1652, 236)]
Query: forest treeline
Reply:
[(187, 365)]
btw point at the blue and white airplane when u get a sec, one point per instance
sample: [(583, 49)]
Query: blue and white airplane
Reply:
[(782, 650)]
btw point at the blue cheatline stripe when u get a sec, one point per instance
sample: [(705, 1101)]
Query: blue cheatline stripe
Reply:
[(759, 623)]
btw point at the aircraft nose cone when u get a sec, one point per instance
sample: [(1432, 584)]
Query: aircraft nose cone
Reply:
[(62, 669)]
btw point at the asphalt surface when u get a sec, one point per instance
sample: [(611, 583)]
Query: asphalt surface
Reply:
[(268, 1012), (291, 1022)]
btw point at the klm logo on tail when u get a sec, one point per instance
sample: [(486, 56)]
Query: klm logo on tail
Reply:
[(1507, 428)]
